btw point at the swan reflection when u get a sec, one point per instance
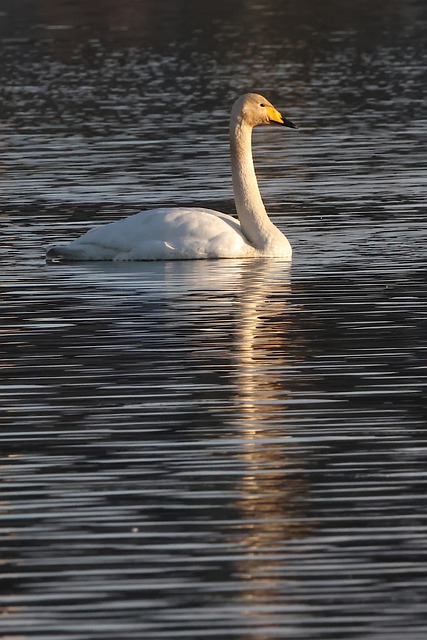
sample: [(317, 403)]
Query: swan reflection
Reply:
[(221, 329), (272, 491)]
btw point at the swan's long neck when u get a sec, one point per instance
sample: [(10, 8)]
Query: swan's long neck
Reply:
[(253, 217)]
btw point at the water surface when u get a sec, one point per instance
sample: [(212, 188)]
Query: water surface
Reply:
[(231, 449)]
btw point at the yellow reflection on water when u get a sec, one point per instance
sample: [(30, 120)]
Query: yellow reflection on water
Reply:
[(272, 491)]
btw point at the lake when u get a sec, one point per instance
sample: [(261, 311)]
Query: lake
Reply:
[(214, 449)]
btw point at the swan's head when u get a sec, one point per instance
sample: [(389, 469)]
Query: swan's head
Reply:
[(254, 109)]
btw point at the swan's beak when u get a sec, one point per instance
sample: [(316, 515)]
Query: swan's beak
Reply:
[(287, 123), (276, 117)]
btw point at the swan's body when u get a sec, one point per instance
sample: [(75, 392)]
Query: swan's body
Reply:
[(193, 233)]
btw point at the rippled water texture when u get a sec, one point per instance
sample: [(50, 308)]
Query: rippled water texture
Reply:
[(231, 449)]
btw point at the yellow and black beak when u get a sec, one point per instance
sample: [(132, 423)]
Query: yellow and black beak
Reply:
[(275, 117)]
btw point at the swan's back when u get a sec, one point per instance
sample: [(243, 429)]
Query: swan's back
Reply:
[(160, 234)]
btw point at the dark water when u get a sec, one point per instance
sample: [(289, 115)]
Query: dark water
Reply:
[(232, 449)]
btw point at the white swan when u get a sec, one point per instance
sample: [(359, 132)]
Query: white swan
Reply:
[(193, 233)]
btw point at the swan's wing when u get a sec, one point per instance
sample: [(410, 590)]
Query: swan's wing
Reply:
[(160, 234)]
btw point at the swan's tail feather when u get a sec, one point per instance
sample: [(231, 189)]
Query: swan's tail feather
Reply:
[(63, 252)]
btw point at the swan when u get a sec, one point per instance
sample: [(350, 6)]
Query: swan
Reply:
[(181, 233)]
